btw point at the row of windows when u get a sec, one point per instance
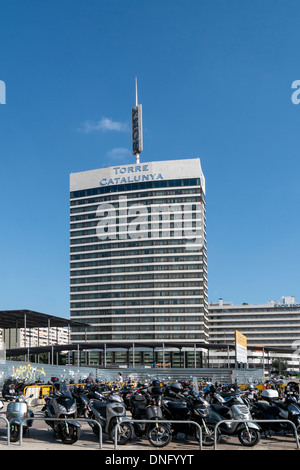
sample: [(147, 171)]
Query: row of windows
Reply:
[(98, 246), (246, 310), (135, 187), (261, 331), (136, 311), (136, 286), (273, 315), (141, 252), (160, 280), (93, 223), (146, 319), (127, 294), (87, 214), (149, 230), (153, 328), (171, 196), (187, 257), (121, 337), (128, 269), (291, 335), (126, 302), (269, 343), (87, 217), (138, 243)]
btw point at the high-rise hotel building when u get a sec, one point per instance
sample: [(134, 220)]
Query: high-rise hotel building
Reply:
[(138, 255)]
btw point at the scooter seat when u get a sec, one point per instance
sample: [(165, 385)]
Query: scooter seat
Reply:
[(100, 406), (281, 405), (268, 409), (222, 410)]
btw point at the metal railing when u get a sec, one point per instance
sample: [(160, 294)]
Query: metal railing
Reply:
[(254, 421), (7, 426), (155, 421), (86, 420)]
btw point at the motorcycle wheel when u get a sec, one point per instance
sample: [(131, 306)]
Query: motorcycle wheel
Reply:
[(159, 435), (14, 432), (71, 436), (248, 438), (124, 434)]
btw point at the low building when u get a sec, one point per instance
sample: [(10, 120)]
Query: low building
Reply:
[(19, 338), (275, 324)]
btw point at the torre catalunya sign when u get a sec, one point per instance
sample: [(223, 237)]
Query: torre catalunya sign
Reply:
[(131, 174), (160, 170)]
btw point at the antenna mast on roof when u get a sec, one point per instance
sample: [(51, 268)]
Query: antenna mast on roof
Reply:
[(137, 127), (136, 92)]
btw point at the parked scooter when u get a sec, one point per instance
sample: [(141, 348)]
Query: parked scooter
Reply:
[(261, 410), (82, 401), (126, 394), (109, 411), (248, 433), (9, 389), (17, 412), (251, 393), (288, 409), (147, 407), (62, 405), (292, 390), (191, 408)]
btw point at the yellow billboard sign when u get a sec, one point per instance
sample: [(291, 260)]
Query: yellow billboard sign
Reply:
[(240, 347), (240, 339)]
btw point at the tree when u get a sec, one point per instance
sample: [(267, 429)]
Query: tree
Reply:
[(279, 364)]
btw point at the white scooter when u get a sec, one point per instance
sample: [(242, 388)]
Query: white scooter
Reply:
[(17, 413)]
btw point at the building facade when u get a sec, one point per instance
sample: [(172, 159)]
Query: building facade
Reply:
[(138, 255), (19, 338), (275, 325)]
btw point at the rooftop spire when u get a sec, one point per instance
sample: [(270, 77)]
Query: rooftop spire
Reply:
[(136, 92), (137, 129)]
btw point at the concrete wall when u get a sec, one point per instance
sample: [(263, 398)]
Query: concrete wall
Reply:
[(32, 371)]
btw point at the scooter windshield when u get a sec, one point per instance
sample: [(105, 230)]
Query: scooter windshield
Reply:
[(65, 391)]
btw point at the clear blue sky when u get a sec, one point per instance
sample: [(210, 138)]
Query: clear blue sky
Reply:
[(215, 82)]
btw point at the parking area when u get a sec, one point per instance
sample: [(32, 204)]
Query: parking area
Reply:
[(41, 437)]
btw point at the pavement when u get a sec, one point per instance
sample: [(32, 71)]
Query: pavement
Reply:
[(41, 437)]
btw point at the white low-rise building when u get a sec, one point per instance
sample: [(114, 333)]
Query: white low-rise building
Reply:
[(274, 325)]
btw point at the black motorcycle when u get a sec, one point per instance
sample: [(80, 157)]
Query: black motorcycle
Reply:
[(127, 390), (270, 412), (14, 387), (81, 396), (9, 389), (186, 409), (292, 389), (147, 406), (60, 404), (287, 409)]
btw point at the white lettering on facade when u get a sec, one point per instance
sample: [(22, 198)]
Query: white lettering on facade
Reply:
[(131, 174)]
